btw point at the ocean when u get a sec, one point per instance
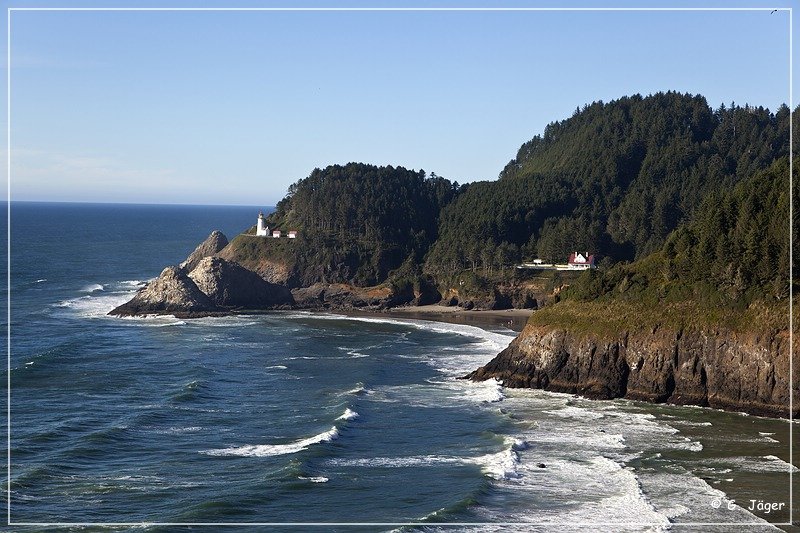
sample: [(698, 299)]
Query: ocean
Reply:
[(300, 417)]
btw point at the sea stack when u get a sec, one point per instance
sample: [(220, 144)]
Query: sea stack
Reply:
[(213, 244), (229, 284), (172, 292)]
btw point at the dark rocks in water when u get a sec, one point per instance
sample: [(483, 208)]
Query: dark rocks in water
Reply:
[(213, 244), (230, 285), (214, 287), (541, 465), (692, 366), (172, 292)]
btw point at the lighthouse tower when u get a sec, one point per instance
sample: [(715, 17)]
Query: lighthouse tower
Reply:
[(261, 230)]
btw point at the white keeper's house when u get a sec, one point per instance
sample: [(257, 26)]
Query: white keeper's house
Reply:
[(581, 261)]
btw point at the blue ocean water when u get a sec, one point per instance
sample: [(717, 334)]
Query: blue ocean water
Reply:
[(303, 417)]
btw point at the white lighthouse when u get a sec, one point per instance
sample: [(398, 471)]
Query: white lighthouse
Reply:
[(261, 230)]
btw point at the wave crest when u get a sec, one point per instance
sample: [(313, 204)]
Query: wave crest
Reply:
[(270, 450)]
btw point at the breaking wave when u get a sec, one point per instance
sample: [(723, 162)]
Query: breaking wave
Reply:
[(270, 450)]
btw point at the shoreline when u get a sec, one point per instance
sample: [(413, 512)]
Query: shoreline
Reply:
[(513, 319)]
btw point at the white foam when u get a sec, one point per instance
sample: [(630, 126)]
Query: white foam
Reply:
[(94, 306), (358, 390), (694, 424), (520, 444), (315, 479), (277, 367), (268, 450), (132, 283), (94, 287), (400, 462), (688, 444), (40, 280), (179, 430), (500, 465), (227, 321), (348, 414), (576, 412), (771, 463), (493, 341), (488, 391)]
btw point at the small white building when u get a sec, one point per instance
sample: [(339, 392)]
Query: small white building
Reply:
[(293, 234), (276, 234), (579, 261), (261, 229)]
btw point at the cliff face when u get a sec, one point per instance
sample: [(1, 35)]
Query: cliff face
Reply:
[(343, 296), (212, 245), (719, 369), (228, 284), (214, 286), (172, 292)]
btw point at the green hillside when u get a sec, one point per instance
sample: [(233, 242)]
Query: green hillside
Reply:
[(687, 192), (359, 222), (616, 178), (729, 266)]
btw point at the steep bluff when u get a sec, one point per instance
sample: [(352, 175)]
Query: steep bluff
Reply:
[(715, 368), (228, 284), (172, 292), (214, 286), (213, 244)]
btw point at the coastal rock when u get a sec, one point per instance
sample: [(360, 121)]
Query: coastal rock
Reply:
[(344, 296), (259, 255), (230, 285), (213, 244), (719, 369), (512, 294), (172, 292)]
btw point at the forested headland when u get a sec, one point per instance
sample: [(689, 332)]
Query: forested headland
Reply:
[(678, 200)]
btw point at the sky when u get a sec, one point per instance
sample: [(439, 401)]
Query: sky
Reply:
[(224, 107)]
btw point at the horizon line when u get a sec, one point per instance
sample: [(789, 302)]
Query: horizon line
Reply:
[(91, 202)]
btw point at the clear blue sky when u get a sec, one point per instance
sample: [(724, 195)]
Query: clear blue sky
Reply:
[(232, 107)]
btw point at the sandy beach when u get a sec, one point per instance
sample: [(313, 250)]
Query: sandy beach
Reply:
[(513, 319)]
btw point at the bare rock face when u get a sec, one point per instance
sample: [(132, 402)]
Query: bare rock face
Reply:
[(720, 369), (344, 296), (230, 285), (213, 244), (172, 292)]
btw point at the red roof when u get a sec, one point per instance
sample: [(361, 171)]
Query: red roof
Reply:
[(589, 259)]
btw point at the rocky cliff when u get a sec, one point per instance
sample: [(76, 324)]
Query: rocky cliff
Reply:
[(213, 286), (344, 296), (172, 292), (693, 366), (228, 284), (213, 244)]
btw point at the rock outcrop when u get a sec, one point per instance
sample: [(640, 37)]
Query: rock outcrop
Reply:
[(213, 244), (513, 294), (230, 285), (259, 255), (172, 292), (720, 369), (344, 296)]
